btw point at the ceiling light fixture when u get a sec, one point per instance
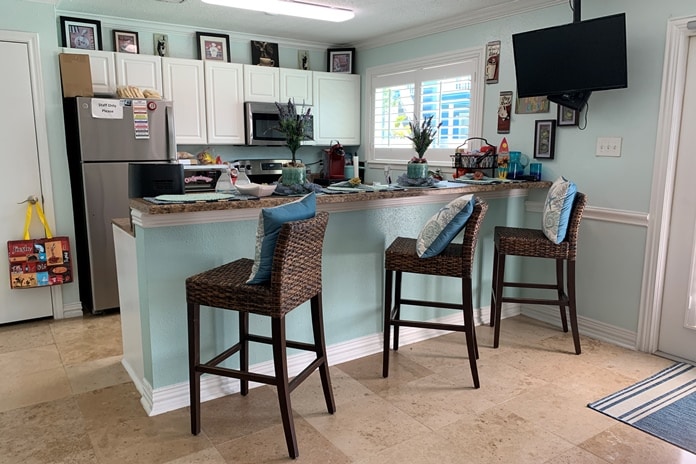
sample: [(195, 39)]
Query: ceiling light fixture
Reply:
[(290, 8)]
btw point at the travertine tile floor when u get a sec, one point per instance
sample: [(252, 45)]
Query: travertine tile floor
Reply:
[(64, 398)]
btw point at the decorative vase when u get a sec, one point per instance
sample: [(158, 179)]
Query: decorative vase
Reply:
[(294, 175), (417, 170)]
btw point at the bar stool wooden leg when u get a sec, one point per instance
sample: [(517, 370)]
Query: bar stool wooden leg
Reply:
[(573, 307), (561, 293), (244, 350), (494, 287), (193, 314), (281, 373), (472, 349), (388, 275), (320, 344), (397, 308), (499, 279)]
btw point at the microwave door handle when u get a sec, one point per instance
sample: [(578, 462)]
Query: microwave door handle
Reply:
[(171, 134)]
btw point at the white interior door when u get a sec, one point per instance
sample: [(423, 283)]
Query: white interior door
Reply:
[(19, 148), (677, 335)]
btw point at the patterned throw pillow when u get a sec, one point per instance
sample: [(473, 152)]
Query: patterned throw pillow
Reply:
[(270, 222), (441, 229), (559, 203)]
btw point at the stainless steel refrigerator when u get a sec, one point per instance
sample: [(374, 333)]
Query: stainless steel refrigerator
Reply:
[(103, 136)]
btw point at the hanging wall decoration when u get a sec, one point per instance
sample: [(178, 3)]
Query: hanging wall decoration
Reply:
[(529, 105), (264, 54), (492, 61), (504, 110)]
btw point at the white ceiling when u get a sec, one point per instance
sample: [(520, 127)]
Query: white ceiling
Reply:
[(376, 22)]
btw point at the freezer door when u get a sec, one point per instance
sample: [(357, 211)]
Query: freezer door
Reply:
[(114, 138), (106, 198)]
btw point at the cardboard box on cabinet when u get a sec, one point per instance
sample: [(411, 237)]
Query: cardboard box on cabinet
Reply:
[(75, 75)]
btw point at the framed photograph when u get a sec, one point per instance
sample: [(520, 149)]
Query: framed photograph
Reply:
[(341, 60), (126, 42), (544, 138), (264, 54), (566, 116), (80, 33), (530, 105), (303, 59), (504, 110), (492, 61), (160, 43), (215, 47)]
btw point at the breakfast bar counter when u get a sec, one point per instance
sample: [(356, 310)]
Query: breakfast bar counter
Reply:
[(170, 242)]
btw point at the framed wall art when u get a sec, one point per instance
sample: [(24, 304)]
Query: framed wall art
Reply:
[(341, 60), (303, 59), (80, 33), (504, 110), (566, 116), (215, 47), (492, 61), (126, 42), (160, 42), (530, 105), (544, 138), (264, 54)]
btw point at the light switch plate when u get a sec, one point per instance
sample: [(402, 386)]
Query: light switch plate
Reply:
[(608, 146)]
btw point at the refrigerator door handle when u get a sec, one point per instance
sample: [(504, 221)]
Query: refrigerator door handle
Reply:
[(171, 134)]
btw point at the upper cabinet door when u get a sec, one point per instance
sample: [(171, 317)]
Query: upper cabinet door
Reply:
[(337, 108), (296, 84), (224, 94), (102, 68), (261, 83), (184, 85), (142, 71)]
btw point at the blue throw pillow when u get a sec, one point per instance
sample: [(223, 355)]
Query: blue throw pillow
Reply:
[(559, 204), (441, 229), (270, 222)]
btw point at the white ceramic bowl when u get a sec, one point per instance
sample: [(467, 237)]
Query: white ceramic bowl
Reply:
[(257, 190)]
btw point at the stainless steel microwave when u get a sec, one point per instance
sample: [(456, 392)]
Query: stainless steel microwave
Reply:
[(261, 121)]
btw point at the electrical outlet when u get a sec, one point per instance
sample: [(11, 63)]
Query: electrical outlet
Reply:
[(608, 146)]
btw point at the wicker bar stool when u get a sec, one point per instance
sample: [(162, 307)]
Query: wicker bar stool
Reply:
[(455, 261), (517, 241), (295, 278)]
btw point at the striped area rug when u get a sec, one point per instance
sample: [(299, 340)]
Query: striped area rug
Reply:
[(663, 405)]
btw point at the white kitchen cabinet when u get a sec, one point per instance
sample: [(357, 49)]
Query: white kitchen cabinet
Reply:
[(224, 96), (183, 83), (261, 83), (296, 84), (142, 71), (336, 108), (102, 68)]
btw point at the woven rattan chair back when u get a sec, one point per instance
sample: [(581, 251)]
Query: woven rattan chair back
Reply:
[(455, 261), (533, 243)]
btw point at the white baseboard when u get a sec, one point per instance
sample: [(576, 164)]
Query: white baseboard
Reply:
[(176, 396), (72, 310)]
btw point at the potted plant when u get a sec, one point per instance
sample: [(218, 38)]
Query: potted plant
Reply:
[(294, 125), (422, 135)]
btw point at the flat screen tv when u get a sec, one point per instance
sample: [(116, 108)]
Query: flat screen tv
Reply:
[(566, 63)]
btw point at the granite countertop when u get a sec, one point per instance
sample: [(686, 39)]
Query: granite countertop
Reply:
[(150, 208)]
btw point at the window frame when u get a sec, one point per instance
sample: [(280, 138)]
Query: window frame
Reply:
[(436, 157)]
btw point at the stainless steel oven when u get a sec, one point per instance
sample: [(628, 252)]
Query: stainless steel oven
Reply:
[(261, 122)]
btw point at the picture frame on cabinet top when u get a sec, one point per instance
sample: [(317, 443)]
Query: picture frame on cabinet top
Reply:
[(341, 60), (213, 47), (160, 43), (264, 54), (84, 34), (126, 42)]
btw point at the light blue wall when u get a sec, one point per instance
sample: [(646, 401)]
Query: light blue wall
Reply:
[(611, 254)]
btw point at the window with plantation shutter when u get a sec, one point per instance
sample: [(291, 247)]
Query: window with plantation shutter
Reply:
[(443, 86)]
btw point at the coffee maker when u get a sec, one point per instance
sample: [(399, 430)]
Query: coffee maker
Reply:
[(334, 162)]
